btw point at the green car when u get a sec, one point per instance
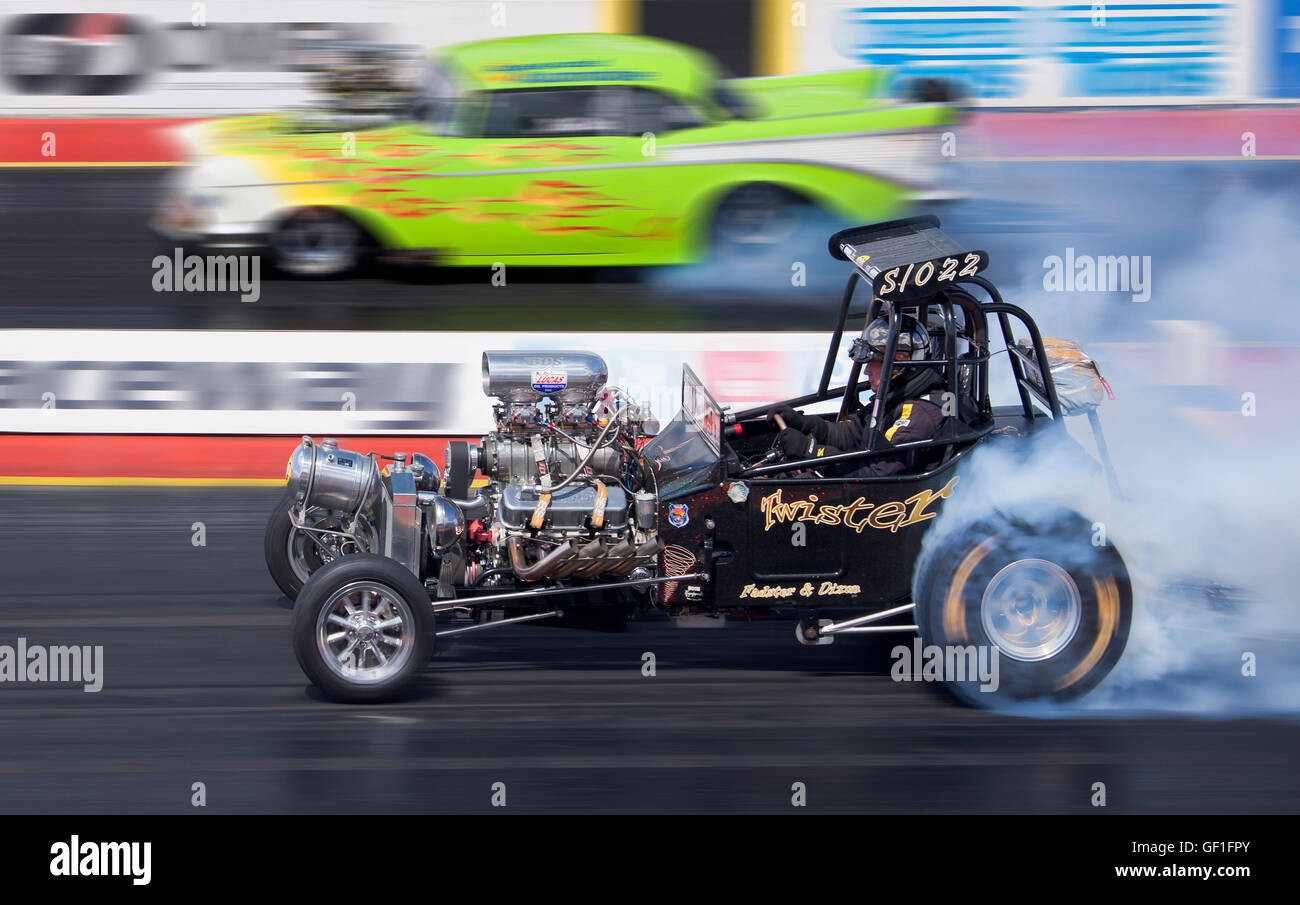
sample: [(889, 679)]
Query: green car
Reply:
[(588, 149)]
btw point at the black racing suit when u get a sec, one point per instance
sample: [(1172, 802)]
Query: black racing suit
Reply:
[(906, 421)]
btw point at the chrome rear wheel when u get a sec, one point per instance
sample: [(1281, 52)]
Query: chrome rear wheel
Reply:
[(1031, 609)]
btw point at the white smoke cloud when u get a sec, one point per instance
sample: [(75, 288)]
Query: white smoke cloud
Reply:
[(1208, 523)]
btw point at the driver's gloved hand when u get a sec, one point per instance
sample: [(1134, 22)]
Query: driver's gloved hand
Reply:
[(796, 420), (794, 445)]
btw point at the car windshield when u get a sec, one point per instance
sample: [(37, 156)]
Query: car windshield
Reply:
[(685, 454), (439, 104), (679, 458)]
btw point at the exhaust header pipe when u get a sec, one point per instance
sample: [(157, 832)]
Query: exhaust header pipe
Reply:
[(543, 567)]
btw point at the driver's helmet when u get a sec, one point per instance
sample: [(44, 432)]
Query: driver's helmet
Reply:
[(913, 341)]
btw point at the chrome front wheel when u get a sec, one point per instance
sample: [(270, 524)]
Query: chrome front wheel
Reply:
[(363, 628), (365, 632)]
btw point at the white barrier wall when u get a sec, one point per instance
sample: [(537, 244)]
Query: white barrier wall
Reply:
[(75, 57), (191, 382), (147, 56)]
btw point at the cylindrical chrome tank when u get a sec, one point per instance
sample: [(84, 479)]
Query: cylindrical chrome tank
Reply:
[(513, 376), (330, 477)]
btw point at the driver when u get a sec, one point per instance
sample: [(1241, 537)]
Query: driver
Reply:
[(913, 406)]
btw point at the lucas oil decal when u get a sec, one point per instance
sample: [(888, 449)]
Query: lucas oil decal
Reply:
[(679, 514), (550, 380), (857, 515)]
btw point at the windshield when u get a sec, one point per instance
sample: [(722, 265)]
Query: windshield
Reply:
[(438, 103), (679, 458), (686, 453)]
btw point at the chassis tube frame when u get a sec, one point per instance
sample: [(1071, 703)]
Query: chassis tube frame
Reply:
[(466, 602)]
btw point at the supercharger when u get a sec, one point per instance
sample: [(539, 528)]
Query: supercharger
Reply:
[(548, 494)]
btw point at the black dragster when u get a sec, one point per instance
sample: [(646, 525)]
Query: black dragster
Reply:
[(711, 516)]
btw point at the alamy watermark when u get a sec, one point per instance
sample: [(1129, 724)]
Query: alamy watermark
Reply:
[(75, 858), (950, 663), (1098, 273), (209, 273), (56, 663)]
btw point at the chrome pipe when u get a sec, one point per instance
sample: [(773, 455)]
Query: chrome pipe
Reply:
[(649, 550), (462, 603), (838, 627), (876, 629), (543, 566), (586, 555), (531, 617), (592, 569)]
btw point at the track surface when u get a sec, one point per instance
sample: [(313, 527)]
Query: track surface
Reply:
[(201, 686), (78, 253)]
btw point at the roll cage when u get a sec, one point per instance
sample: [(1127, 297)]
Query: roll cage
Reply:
[(891, 257)]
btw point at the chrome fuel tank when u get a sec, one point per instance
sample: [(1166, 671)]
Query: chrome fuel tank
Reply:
[(324, 475)]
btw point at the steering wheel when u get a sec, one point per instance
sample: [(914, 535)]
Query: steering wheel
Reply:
[(774, 452)]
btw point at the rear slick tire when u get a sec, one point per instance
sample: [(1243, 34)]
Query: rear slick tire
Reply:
[(1036, 600)]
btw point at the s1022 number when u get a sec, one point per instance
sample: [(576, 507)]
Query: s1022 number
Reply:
[(917, 276)]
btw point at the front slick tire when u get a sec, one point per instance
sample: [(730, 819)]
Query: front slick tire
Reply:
[(363, 629), (1031, 587)]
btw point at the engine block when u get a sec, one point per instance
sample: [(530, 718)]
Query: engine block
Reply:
[(510, 459), (559, 425), (561, 497)]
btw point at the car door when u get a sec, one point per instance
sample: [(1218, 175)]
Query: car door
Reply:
[(795, 531), (544, 175)]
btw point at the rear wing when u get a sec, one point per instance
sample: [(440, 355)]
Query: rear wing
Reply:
[(906, 259)]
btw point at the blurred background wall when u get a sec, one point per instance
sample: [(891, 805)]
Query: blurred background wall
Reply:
[(146, 55)]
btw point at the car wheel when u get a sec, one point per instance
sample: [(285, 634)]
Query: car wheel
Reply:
[(316, 241), (1033, 596), (291, 555), (755, 218), (363, 628), (933, 91)]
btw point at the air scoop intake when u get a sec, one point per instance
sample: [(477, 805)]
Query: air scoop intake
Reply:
[(528, 377)]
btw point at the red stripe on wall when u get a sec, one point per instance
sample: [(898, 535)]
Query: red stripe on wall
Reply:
[(1140, 132), (108, 140), (137, 456)]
